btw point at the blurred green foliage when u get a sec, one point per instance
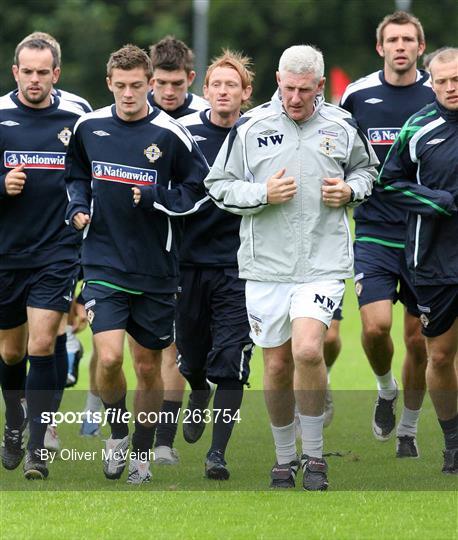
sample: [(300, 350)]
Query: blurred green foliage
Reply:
[(89, 30)]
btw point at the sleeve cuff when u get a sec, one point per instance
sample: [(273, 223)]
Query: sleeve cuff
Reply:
[(147, 199)]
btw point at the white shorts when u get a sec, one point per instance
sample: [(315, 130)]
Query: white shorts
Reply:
[(272, 306)]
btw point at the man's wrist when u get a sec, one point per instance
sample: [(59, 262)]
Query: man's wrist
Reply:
[(352, 195)]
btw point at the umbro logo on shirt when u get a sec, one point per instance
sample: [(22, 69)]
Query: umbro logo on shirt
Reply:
[(373, 100), (9, 123), (101, 133), (268, 132), (435, 141), (198, 138)]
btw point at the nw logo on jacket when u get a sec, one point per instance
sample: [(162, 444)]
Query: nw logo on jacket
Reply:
[(274, 139)]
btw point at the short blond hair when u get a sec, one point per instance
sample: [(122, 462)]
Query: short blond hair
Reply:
[(449, 54), (235, 60)]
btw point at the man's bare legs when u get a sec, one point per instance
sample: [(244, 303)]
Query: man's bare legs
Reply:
[(441, 379), (332, 348), (295, 373), (377, 321), (13, 369), (111, 385), (414, 384), (41, 384), (174, 385)]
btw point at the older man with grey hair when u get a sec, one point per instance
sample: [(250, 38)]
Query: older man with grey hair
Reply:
[(290, 170)]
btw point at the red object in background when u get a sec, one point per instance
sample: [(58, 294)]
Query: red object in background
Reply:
[(339, 82)]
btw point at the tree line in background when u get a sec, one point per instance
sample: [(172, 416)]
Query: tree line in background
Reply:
[(89, 30)]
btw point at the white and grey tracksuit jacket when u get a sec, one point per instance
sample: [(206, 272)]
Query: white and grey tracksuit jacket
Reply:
[(300, 240)]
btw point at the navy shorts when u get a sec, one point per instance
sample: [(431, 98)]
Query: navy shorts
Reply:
[(147, 317), (338, 313), (47, 287), (381, 274), (212, 329), (438, 306)]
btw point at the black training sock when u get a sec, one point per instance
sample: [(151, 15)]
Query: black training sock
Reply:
[(197, 381), (450, 431), (22, 390), (61, 369), (227, 401), (142, 440), (167, 429), (12, 378), (39, 390), (119, 429)]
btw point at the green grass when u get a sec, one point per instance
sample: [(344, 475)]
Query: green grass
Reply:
[(373, 494), (202, 515)]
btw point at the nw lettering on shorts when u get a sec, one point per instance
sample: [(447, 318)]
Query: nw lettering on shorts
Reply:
[(325, 302)]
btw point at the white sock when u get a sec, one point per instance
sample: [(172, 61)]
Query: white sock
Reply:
[(297, 423), (93, 402), (408, 423), (285, 443), (73, 345), (386, 385), (312, 435)]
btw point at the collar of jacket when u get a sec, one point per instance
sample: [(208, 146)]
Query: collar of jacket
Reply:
[(450, 116)]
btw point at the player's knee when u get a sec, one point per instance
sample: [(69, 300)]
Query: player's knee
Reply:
[(41, 345), (308, 354), (146, 369), (278, 370), (11, 354), (376, 330), (440, 360), (416, 347), (109, 361)]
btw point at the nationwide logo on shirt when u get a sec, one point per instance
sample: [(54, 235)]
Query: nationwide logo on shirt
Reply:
[(115, 172), (382, 135), (34, 160)]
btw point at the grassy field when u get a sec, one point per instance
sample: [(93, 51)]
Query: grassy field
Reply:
[(373, 494)]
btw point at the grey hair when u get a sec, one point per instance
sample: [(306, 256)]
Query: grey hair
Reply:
[(302, 59)]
